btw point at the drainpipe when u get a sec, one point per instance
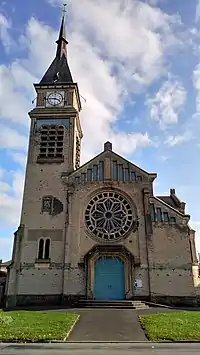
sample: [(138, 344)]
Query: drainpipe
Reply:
[(147, 234)]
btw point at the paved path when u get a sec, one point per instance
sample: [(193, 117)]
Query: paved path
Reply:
[(100, 349), (107, 325)]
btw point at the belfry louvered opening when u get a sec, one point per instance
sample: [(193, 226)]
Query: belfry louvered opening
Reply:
[(51, 141)]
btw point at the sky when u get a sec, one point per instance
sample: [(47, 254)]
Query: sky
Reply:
[(137, 64)]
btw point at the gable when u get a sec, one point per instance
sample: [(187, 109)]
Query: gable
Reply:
[(162, 212), (110, 166)]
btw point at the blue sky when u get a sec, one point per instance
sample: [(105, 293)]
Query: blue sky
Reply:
[(138, 67)]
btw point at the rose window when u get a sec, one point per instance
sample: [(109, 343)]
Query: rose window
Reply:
[(109, 216)]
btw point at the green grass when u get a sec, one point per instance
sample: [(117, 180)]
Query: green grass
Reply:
[(172, 326), (35, 326)]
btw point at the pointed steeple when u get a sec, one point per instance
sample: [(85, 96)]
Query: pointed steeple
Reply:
[(59, 71), (62, 41)]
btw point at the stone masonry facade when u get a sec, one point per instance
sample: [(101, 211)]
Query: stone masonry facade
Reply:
[(56, 246)]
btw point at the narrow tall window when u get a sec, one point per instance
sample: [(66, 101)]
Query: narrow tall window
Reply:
[(95, 172), (121, 172), (41, 249), (152, 212), (47, 249), (114, 171), (101, 170), (165, 217), (159, 214)]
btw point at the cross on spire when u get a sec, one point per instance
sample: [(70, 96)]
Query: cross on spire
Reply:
[(62, 41), (64, 9)]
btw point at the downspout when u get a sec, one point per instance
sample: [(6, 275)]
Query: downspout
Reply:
[(146, 214), (65, 243)]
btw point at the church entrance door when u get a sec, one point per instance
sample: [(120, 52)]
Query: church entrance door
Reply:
[(109, 283)]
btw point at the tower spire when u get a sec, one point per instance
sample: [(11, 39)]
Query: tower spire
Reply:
[(59, 71), (62, 41)]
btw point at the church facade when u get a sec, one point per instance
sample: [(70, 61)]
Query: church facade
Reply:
[(94, 231)]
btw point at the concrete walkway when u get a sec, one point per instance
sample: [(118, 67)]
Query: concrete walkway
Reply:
[(107, 325)]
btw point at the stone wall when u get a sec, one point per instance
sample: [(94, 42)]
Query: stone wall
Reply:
[(171, 264)]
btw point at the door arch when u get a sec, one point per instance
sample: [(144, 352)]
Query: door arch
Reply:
[(109, 278)]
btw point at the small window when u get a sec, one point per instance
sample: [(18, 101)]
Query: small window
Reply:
[(159, 214), (44, 249), (121, 172), (95, 172), (165, 217), (152, 212), (114, 171), (41, 249), (89, 174), (47, 249), (101, 170)]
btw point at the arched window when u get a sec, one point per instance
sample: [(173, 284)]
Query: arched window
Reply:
[(41, 248), (47, 249)]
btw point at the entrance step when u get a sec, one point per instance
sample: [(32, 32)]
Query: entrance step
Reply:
[(124, 304)]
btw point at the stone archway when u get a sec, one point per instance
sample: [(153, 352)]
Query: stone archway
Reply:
[(116, 252)]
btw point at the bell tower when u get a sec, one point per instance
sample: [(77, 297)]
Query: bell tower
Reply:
[(55, 119), (54, 144)]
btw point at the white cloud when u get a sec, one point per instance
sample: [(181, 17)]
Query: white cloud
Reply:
[(171, 141), (19, 158), (166, 104), (5, 38), (109, 63), (6, 245), (198, 11), (196, 81), (10, 197), (14, 104), (12, 139)]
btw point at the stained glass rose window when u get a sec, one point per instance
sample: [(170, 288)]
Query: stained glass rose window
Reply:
[(109, 216)]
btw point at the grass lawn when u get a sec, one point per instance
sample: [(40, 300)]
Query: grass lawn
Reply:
[(35, 326), (172, 326)]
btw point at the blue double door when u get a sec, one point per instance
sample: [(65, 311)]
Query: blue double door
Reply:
[(109, 279)]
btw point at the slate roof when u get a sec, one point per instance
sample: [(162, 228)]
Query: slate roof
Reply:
[(59, 71), (168, 200)]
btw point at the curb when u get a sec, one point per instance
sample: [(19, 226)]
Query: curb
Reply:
[(151, 343), (72, 327)]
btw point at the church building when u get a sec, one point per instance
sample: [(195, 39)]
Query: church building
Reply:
[(95, 231)]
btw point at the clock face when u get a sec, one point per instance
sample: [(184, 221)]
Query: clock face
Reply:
[(55, 98)]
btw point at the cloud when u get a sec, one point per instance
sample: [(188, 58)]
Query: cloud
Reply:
[(171, 141), (6, 245), (196, 81), (10, 197), (12, 139), (11, 92), (166, 104), (198, 11), (110, 64), (5, 38), (19, 158)]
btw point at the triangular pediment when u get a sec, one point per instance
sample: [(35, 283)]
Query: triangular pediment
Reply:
[(108, 165)]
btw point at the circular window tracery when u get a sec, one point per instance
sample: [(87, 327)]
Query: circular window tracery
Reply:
[(109, 216)]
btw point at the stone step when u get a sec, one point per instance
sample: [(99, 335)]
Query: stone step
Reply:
[(124, 304)]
